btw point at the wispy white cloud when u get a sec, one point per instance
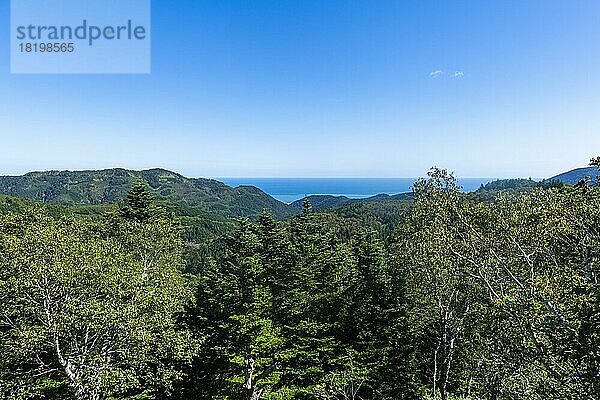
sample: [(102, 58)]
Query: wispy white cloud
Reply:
[(436, 73), (458, 74)]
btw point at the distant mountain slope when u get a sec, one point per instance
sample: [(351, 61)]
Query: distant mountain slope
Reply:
[(322, 201), (509, 184), (111, 185), (329, 201), (574, 176)]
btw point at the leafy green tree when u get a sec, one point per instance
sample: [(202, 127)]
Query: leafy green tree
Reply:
[(536, 252), (500, 287), (440, 282), (90, 313)]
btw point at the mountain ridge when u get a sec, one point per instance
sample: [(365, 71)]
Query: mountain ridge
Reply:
[(574, 176), (106, 186)]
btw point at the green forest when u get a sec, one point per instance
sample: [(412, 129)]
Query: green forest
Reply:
[(438, 295)]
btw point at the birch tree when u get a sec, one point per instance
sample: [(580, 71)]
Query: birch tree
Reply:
[(89, 312)]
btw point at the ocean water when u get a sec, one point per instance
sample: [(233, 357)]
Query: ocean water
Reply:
[(291, 189)]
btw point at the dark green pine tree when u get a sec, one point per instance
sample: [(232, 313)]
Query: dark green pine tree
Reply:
[(226, 291), (307, 208), (595, 162), (279, 260), (377, 322), (139, 205)]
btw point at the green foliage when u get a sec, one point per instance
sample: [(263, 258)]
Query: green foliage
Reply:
[(439, 295), (140, 206), (292, 311), (329, 202), (112, 185), (89, 310), (501, 287), (510, 184)]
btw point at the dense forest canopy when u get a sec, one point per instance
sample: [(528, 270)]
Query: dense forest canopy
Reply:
[(443, 295), (197, 195)]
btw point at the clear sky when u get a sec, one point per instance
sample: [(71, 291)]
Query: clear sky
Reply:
[(326, 88)]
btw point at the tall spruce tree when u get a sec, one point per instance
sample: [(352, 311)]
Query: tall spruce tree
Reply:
[(139, 205), (595, 162)]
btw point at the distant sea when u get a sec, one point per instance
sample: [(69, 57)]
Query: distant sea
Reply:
[(292, 189)]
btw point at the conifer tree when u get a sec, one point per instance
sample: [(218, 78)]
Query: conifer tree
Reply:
[(307, 208), (139, 205), (595, 162)]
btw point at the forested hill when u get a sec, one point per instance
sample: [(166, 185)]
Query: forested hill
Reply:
[(574, 176), (329, 201), (111, 185)]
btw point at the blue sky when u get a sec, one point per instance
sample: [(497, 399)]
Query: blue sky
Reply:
[(338, 88)]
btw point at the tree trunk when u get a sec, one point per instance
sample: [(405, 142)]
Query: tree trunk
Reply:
[(249, 384)]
